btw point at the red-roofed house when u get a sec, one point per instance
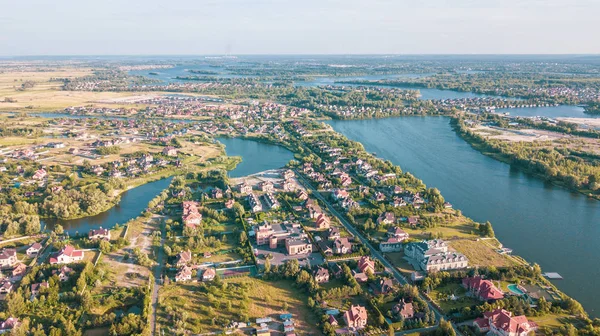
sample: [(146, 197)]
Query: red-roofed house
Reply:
[(39, 174), (366, 264), (34, 249), (8, 324), (502, 323), (483, 289), (191, 216), (322, 221), (356, 317), (67, 255)]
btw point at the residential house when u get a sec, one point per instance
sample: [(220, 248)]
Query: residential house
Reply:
[(322, 221), (288, 174), (266, 186), (413, 221), (302, 195), (66, 255), (333, 233), (321, 275), (383, 286), (36, 287), (396, 232), (34, 249), (501, 322), (216, 193), (433, 255), (63, 273), (191, 215), (245, 188), (19, 271), (342, 246), (254, 202), (404, 309), (209, 274), (356, 317), (9, 324), (5, 286), (169, 151), (391, 245), (39, 174), (184, 274), (183, 258), (99, 234), (485, 290), (8, 257), (366, 265), (386, 218)]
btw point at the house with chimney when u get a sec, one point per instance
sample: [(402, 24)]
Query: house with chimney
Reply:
[(183, 258), (322, 221), (501, 322), (356, 317), (405, 309), (482, 289), (63, 273), (321, 275), (366, 265), (191, 215), (386, 218), (67, 255), (183, 274), (8, 257), (342, 246)]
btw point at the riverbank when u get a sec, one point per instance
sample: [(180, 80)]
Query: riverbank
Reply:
[(483, 188), (528, 165)]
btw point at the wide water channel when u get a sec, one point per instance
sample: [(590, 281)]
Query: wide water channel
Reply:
[(543, 223)]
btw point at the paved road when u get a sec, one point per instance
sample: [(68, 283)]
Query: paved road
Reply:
[(158, 270), (375, 253)]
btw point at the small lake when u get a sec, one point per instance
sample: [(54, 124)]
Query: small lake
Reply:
[(256, 156), (543, 223), (133, 203)]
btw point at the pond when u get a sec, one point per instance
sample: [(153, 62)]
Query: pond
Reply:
[(256, 156), (133, 203)]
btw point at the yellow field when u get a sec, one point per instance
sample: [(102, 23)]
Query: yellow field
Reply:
[(480, 253)]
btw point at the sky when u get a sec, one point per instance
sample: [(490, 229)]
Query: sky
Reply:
[(200, 27)]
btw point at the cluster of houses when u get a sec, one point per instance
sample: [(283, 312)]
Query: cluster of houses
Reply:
[(331, 242), (132, 166), (186, 268)]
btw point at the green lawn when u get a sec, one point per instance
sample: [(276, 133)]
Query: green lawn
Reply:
[(441, 296), (201, 307)]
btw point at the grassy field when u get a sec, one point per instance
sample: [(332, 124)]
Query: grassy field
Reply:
[(46, 95), (441, 296), (480, 253), (264, 299)]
